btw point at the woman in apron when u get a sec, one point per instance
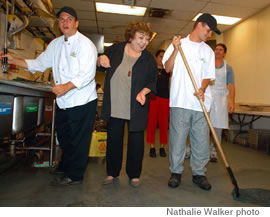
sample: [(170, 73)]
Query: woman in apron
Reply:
[(223, 85)]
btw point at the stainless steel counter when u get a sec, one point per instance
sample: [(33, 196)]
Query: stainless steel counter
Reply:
[(22, 106), (26, 88)]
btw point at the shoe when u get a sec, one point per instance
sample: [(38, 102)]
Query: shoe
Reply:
[(213, 159), (153, 152), (174, 180), (162, 152), (108, 180), (65, 181), (56, 172), (135, 183), (202, 182)]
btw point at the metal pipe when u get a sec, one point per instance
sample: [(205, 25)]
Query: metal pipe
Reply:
[(12, 149), (52, 133), (20, 28), (13, 6), (5, 59)]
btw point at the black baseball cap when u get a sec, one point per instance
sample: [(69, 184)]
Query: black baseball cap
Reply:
[(210, 21), (68, 10)]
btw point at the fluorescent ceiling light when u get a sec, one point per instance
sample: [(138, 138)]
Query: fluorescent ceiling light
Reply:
[(222, 19), (120, 9), (107, 44), (153, 36)]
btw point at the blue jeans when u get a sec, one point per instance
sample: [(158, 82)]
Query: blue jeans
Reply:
[(184, 122)]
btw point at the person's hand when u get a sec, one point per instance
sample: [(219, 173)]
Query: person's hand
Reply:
[(231, 107), (200, 94), (103, 61), (10, 58), (176, 41), (61, 89), (141, 98)]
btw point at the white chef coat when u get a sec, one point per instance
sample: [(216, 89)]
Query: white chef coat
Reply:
[(219, 109), (72, 60), (201, 60)]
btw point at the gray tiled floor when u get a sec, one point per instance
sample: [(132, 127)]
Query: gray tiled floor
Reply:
[(23, 185)]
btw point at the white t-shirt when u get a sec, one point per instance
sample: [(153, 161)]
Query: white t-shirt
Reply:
[(201, 60), (73, 60)]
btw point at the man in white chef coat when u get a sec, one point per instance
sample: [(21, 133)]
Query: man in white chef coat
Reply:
[(72, 58)]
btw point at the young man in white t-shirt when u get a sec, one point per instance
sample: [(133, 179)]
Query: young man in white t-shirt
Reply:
[(186, 114)]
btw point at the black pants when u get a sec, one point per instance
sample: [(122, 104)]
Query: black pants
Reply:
[(114, 153), (74, 130)]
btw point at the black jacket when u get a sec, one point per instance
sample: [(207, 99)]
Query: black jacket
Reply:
[(144, 75)]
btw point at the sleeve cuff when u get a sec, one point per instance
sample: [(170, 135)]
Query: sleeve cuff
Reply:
[(77, 83)]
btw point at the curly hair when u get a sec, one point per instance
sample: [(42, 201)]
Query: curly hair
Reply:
[(137, 26)]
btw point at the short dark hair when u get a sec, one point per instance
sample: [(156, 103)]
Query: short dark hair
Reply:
[(222, 45), (196, 23), (137, 26), (159, 51)]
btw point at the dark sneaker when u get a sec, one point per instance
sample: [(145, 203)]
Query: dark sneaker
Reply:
[(162, 152), (202, 182), (153, 152), (65, 181), (174, 180)]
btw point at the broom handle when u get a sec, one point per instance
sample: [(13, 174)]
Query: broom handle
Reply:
[(203, 107)]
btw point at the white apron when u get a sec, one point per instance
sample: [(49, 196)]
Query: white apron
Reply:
[(219, 108)]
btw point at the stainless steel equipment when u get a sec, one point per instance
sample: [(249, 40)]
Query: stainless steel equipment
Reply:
[(22, 109), (23, 103), (17, 120), (5, 59)]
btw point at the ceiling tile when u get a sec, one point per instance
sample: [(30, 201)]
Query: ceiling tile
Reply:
[(181, 15), (159, 24), (87, 23), (117, 18), (143, 3), (177, 22), (86, 15), (245, 3), (229, 10), (83, 5), (185, 5)]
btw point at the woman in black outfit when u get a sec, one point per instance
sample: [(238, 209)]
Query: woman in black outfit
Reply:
[(130, 77)]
